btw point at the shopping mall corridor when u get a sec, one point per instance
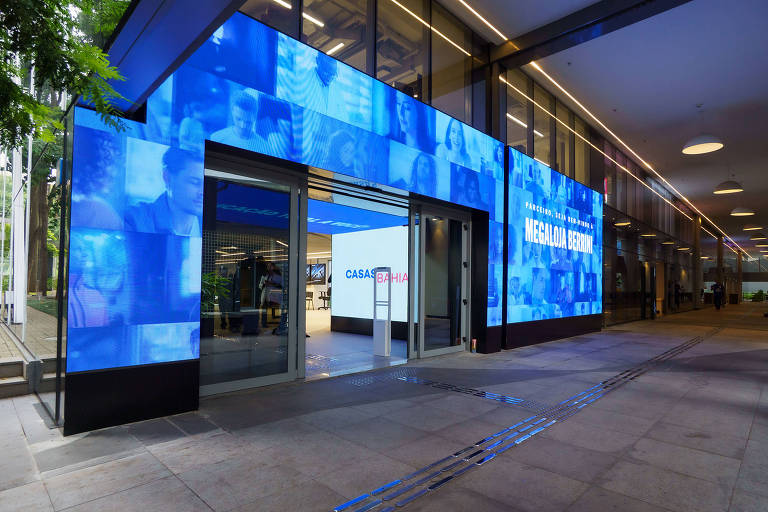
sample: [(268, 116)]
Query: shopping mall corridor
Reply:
[(531, 429)]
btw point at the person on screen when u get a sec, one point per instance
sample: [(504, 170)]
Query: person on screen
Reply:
[(423, 176), (411, 125), (454, 146), (322, 91), (517, 295), (560, 259), (95, 181), (177, 210), (341, 153), (495, 168), (537, 256), (469, 194), (534, 185), (191, 130), (242, 133), (274, 125), (539, 285)]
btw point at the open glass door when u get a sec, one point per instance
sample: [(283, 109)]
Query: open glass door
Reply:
[(443, 282), (250, 255)]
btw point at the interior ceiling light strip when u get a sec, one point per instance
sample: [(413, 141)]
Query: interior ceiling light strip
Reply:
[(595, 148), (433, 29), (662, 178), (481, 18), (518, 121), (283, 4)]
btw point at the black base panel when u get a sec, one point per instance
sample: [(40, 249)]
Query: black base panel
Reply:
[(364, 326), (106, 398), (529, 333), (493, 340)]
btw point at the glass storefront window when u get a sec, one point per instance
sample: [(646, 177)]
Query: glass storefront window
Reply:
[(401, 46), (337, 29), (581, 152), (517, 110), (621, 182), (610, 175), (278, 15), (541, 125), (451, 65), (563, 144)]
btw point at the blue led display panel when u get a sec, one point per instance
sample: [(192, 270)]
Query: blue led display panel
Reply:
[(555, 244), (137, 194)]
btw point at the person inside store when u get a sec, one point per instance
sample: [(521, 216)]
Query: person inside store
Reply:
[(270, 282), (179, 209)]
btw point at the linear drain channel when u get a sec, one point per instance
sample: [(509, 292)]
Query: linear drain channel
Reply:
[(403, 491)]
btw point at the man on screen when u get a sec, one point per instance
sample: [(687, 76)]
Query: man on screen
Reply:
[(242, 133), (177, 210)]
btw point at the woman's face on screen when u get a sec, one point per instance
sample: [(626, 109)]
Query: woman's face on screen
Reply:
[(406, 115), (456, 138)]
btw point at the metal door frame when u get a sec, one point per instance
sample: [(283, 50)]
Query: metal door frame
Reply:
[(422, 211), (255, 172)]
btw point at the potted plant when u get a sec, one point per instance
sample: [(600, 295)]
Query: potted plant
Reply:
[(213, 287)]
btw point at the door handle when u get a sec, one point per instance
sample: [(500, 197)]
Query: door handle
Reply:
[(464, 301)]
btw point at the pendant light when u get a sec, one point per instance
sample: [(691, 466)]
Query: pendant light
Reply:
[(729, 187), (757, 236), (752, 227), (740, 211), (702, 144)]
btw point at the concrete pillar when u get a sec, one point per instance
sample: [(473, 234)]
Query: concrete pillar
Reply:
[(739, 277), (698, 277)]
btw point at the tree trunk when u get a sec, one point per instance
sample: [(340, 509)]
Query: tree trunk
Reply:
[(37, 277)]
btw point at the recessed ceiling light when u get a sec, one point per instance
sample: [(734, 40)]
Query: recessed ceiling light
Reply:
[(702, 144), (761, 245), (757, 236), (683, 248), (648, 235), (740, 211), (622, 222), (752, 227), (728, 187), (668, 241)]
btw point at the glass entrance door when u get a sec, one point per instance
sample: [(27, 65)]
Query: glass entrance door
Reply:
[(248, 318), (443, 283)]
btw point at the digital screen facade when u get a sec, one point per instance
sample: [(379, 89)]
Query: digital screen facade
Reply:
[(555, 244), (137, 194)]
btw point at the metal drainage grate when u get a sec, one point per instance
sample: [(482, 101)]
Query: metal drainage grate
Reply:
[(403, 491)]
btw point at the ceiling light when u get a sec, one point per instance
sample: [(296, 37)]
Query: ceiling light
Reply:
[(668, 241), (313, 20), (622, 222), (761, 245), (683, 248), (757, 236), (728, 187), (752, 227), (740, 211), (705, 257), (648, 235), (516, 120), (702, 144), (282, 3), (339, 47)]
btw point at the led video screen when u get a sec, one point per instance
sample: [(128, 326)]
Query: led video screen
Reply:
[(316, 273), (137, 193), (555, 244)]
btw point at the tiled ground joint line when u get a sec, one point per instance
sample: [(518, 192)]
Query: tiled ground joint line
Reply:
[(433, 476)]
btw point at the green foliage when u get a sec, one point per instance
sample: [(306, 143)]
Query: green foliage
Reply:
[(759, 296), (213, 285), (45, 35)]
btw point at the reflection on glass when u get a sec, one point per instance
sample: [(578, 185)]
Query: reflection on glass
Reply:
[(245, 281), (581, 150), (401, 46), (563, 140), (517, 110), (278, 14), (442, 282), (337, 29), (451, 64), (541, 124)]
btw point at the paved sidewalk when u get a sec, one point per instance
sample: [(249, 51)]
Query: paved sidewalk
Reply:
[(689, 435)]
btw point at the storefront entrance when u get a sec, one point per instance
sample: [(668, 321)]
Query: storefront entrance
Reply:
[(290, 262)]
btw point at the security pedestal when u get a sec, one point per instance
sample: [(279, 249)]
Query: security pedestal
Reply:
[(382, 324)]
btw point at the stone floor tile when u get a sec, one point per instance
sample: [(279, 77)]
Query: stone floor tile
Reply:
[(154, 431), (468, 432), (383, 407), (192, 423), (464, 405), (101, 480), (308, 497), (85, 447), (32, 496), (562, 458), (523, 487), (458, 499), (591, 437), (691, 437), (665, 488), (191, 452), (363, 476), (17, 466), (746, 502), (336, 418), (688, 461), (424, 451), (426, 418), (506, 416), (165, 494), (597, 499), (610, 420), (238, 481), (711, 418), (380, 433)]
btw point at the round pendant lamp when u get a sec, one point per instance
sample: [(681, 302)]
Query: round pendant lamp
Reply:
[(740, 211), (702, 144), (729, 187)]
